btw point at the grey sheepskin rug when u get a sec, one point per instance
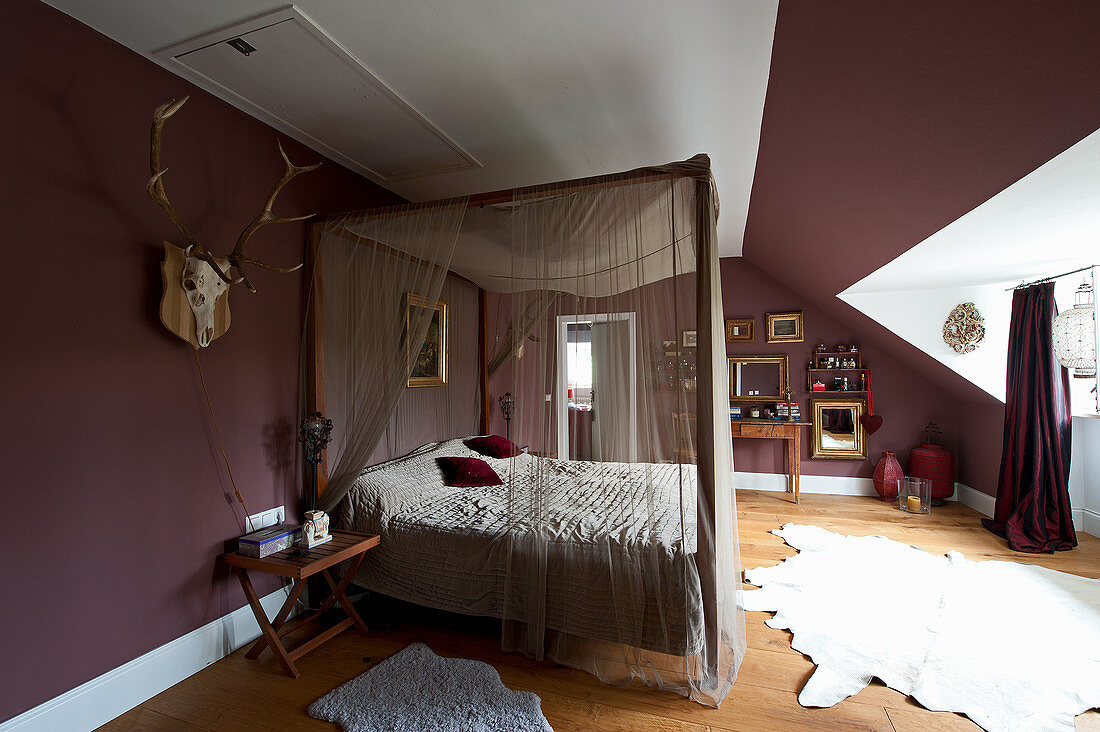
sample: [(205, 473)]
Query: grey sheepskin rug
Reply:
[(415, 690)]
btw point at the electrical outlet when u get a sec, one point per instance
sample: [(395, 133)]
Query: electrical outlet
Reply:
[(263, 519)]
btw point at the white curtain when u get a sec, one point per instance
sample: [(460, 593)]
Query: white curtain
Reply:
[(613, 434), (627, 567), (370, 335)]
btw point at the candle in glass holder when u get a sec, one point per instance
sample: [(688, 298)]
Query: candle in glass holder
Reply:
[(914, 504)]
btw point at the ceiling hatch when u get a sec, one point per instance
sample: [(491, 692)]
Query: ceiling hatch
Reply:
[(287, 71)]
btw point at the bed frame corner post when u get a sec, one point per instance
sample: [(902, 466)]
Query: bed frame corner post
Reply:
[(707, 284), (314, 342), (483, 361)]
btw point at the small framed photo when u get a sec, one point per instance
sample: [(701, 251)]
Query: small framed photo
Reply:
[(740, 330), (784, 327), (688, 338), (670, 348)]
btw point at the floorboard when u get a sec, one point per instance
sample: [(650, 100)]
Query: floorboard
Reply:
[(238, 694)]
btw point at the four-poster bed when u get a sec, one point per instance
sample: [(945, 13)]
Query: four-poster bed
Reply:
[(625, 569)]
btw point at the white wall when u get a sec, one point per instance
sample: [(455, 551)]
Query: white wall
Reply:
[(1084, 474), (918, 317)]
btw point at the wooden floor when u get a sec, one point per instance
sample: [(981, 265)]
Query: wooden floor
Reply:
[(238, 694)]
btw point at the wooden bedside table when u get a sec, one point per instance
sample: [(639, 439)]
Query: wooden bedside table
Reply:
[(344, 545)]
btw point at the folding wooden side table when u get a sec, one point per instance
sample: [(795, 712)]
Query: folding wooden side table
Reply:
[(344, 545)]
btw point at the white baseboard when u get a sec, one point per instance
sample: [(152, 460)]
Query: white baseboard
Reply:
[(105, 697), (831, 484), (983, 503), (1090, 522)]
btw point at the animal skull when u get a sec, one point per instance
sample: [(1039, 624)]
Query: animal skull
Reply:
[(203, 287), (195, 273)]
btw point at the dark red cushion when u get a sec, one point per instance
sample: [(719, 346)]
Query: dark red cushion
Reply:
[(493, 446), (467, 472)]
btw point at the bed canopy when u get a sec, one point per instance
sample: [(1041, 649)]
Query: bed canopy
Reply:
[(596, 305)]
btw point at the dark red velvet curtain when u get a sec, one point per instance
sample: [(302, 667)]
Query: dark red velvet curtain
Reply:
[(1033, 511)]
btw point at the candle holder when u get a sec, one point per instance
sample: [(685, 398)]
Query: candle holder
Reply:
[(314, 433), (507, 405), (915, 494)]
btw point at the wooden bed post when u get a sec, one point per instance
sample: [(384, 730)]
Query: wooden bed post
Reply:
[(706, 281), (315, 351), (483, 361)]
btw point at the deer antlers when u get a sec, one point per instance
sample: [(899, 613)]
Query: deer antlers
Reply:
[(237, 258)]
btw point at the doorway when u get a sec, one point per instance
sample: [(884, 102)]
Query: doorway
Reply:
[(596, 390)]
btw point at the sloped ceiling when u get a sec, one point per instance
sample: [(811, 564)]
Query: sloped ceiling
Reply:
[(886, 121), (535, 90)]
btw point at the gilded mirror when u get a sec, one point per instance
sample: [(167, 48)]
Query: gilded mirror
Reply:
[(837, 432), (757, 378)]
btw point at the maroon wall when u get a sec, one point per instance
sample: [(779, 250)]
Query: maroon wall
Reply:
[(115, 504), (884, 121), (906, 400)]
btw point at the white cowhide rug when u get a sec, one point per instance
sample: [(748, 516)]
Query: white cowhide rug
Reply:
[(1012, 646)]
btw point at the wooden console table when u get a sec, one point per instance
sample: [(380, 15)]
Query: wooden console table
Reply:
[(790, 432), (344, 545)]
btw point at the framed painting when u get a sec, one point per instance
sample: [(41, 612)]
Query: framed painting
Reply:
[(428, 365), (740, 330), (689, 338), (784, 327)]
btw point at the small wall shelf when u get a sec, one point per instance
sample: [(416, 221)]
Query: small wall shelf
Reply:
[(840, 364)]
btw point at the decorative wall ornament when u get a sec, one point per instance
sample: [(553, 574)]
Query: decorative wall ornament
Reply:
[(964, 329), (1074, 335), (194, 277)]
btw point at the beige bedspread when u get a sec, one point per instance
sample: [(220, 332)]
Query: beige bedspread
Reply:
[(617, 559)]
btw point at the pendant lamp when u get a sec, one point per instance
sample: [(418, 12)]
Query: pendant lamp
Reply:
[(1074, 335)]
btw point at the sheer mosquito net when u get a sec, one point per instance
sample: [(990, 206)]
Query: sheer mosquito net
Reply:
[(583, 322)]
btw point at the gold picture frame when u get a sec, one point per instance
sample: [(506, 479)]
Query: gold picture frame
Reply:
[(740, 330), (837, 431), (781, 379), (429, 366), (784, 327), (689, 338)]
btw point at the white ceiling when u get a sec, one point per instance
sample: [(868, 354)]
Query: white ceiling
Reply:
[(536, 90)]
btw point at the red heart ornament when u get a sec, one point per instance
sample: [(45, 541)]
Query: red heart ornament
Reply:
[(871, 423)]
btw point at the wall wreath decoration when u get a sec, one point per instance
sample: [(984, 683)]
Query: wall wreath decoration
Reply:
[(964, 329)]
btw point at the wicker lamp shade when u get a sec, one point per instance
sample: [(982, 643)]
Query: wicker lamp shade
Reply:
[(1074, 335)]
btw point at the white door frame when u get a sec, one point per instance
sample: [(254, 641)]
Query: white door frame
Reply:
[(561, 390)]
